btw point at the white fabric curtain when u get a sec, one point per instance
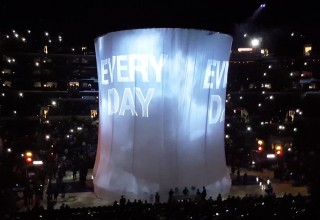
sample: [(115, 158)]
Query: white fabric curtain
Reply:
[(161, 112)]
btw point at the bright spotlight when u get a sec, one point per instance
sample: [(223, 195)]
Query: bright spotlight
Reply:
[(262, 5), (255, 42)]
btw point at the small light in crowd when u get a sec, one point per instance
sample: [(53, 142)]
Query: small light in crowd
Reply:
[(7, 36), (79, 128), (36, 64), (54, 103), (228, 125), (71, 130), (259, 104), (23, 39), (305, 63), (295, 129), (269, 67), (45, 49), (271, 156), (46, 33), (227, 136), (20, 94), (3, 94), (16, 35), (9, 150), (37, 162), (14, 112), (278, 152), (47, 137), (248, 128), (292, 34), (28, 31)]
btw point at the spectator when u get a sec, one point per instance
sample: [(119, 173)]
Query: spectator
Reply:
[(122, 201), (30, 195), (204, 193), (238, 175), (245, 178), (74, 173), (62, 189), (170, 199), (157, 198), (185, 191)]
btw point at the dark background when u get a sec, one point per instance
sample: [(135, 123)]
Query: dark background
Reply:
[(80, 22)]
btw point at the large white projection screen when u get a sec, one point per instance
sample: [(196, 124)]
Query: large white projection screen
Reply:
[(161, 112)]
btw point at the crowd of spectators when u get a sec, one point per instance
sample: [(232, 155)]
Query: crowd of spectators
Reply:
[(72, 146), (248, 207)]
